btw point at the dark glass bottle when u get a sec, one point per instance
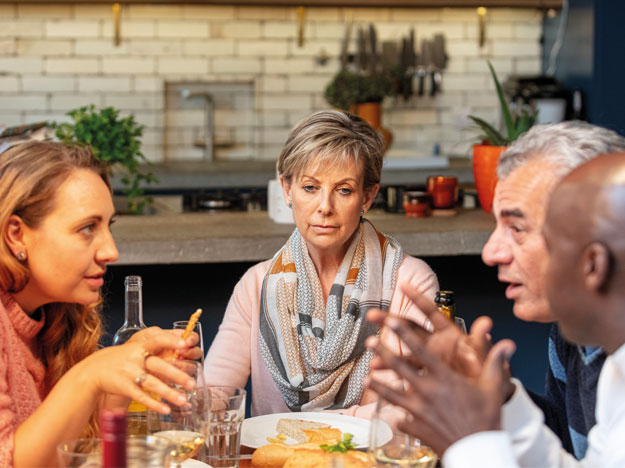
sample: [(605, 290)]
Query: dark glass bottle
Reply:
[(133, 303), (113, 434), (446, 303)]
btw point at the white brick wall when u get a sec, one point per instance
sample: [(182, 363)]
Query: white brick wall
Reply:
[(54, 58), (48, 83)]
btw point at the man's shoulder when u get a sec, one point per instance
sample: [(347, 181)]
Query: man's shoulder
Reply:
[(572, 355)]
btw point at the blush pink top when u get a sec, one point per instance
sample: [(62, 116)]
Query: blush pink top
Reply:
[(22, 374), (235, 353)]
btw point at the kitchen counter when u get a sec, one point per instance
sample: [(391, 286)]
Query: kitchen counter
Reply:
[(198, 175), (252, 236)]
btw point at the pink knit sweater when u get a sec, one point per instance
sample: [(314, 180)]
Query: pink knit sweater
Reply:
[(22, 374), (235, 354)]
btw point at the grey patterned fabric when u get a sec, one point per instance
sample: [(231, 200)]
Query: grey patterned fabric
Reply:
[(314, 349)]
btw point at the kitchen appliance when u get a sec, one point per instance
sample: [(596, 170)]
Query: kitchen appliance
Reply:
[(218, 201), (543, 93)]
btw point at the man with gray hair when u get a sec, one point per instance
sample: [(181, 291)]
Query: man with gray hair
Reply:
[(528, 171), (462, 418)]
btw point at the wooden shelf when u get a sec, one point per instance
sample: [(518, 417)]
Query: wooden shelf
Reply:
[(338, 3)]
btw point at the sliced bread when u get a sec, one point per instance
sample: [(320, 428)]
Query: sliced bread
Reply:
[(295, 428)]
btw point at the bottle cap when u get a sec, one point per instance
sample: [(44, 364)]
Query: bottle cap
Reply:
[(113, 423)]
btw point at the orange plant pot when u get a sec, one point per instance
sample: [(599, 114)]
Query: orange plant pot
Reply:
[(485, 160), (371, 112)]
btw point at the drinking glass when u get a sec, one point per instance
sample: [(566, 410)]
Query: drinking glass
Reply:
[(182, 324), (460, 323), (227, 411), (80, 453), (185, 425), (148, 451), (396, 450)]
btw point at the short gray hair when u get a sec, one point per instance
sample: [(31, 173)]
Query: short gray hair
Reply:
[(331, 138), (566, 145)]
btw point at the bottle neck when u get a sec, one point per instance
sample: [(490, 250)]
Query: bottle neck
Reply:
[(133, 304)]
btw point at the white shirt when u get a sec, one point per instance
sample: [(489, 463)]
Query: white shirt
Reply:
[(526, 441)]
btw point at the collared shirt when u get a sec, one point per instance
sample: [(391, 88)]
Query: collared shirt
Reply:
[(526, 441)]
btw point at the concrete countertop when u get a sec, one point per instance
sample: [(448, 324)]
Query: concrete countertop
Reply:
[(252, 236), (197, 175)]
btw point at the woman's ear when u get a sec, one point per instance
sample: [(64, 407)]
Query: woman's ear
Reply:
[(286, 191), (370, 194), (597, 267), (15, 234)]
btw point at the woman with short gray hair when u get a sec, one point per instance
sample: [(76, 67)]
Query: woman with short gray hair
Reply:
[(296, 323)]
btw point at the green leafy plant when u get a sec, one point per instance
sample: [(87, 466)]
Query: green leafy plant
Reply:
[(115, 141), (349, 88), (515, 123)]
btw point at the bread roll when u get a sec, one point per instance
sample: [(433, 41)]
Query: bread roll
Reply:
[(320, 458), (272, 455)]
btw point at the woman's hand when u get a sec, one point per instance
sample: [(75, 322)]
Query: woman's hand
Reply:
[(135, 370)]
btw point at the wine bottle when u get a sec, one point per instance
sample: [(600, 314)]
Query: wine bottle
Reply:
[(113, 426), (133, 321), (446, 303)]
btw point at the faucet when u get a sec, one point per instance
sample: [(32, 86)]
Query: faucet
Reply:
[(209, 120)]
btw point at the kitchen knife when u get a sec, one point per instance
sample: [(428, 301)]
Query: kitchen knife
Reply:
[(345, 44), (373, 41)]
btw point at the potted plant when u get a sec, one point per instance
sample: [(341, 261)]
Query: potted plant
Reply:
[(486, 156), (362, 94), (116, 142)]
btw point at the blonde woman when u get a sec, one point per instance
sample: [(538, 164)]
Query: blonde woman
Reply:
[(296, 323), (55, 216)]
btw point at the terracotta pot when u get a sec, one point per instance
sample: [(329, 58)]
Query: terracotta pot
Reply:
[(371, 112), (485, 160)]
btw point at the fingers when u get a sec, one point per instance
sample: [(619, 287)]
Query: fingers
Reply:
[(192, 354), (376, 316), (428, 307), (166, 340), (399, 397), (480, 338), (170, 371), (151, 387), (408, 367), (410, 333), (495, 372)]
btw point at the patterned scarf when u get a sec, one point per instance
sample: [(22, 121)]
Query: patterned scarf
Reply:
[(316, 351)]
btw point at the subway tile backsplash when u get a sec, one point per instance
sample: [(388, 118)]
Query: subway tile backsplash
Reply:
[(57, 57)]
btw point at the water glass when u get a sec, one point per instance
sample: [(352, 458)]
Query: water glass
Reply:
[(185, 425), (394, 450), (80, 453), (227, 411), (149, 451), (182, 325)]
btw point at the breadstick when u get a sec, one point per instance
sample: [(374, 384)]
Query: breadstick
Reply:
[(187, 332), (191, 325)]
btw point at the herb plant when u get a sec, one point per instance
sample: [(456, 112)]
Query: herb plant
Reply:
[(515, 123), (115, 141)]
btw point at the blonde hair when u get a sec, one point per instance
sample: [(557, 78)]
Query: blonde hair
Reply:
[(30, 175), (332, 138)]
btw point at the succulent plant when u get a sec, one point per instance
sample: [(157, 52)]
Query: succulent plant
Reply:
[(515, 123)]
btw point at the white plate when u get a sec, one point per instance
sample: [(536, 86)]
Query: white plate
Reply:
[(191, 463), (255, 431)]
